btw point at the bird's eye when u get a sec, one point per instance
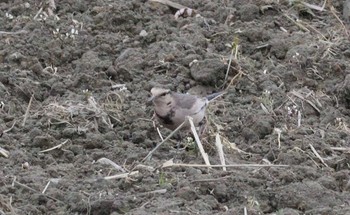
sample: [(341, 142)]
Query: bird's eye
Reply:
[(163, 94)]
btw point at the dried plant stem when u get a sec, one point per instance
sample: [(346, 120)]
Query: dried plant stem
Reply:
[(12, 33), (9, 129), (4, 152), (47, 186), (170, 163), (220, 151), (296, 23), (161, 143), (341, 148), (170, 4), (27, 111), (317, 155), (333, 11), (238, 75), (123, 175), (55, 147), (35, 191), (108, 161), (229, 65), (200, 146), (38, 13)]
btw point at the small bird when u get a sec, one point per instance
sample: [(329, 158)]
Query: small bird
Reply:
[(171, 108)]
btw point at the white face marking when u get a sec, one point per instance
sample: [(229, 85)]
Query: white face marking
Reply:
[(162, 99), (158, 91)]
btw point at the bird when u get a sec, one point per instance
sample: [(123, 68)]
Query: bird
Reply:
[(171, 108)]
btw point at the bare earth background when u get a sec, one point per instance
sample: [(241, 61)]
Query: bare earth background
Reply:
[(66, 71)]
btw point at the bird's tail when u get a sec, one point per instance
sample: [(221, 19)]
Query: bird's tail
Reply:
[(215, 95)]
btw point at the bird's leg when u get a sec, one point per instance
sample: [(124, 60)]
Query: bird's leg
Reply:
[(178, 137), (202, 127)]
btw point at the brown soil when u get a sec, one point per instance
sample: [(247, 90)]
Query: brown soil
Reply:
[(282, 70)]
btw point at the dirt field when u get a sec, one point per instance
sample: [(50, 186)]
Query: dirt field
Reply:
[(80, 75)]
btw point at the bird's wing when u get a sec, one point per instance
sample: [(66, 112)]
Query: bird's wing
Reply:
[(185, 101), (199, 105), (189, 104)]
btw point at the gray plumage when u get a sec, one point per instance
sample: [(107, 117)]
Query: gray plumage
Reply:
[(171, 108)]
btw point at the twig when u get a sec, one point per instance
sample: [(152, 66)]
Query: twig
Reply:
[(233, 146), (339, 20), (55, 147), (299, 118), (119, 86), (220, 150), (38, 13), (141, 166), (340, 149), (35, 191), (27, 111), (167, 138), (307, 154), (315, 7), (211, 179), (160, 135), (317, 31), (308, 101), (16, 32), (317, 155), (161, 191), (47, 185), (170, 4), (9, 129), (123, 175), (229, 65), (170, 163), (6, 207), (4, 152), (238, 75), (108, 161), (296, 23), (200, 146), (278, 131), (264, 108), (262, 46)]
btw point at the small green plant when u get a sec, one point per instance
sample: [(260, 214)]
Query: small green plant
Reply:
[(162, 179), (191, 145)]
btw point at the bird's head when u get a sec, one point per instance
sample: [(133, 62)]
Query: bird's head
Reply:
[(160, 95)]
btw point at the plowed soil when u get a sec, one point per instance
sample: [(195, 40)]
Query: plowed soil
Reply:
[(78, 73)]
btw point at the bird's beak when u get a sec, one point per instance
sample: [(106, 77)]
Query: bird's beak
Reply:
[(150, 100)]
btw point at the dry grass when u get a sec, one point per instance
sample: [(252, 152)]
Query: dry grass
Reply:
[(85, 114), (214, 125), (6, 206)]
